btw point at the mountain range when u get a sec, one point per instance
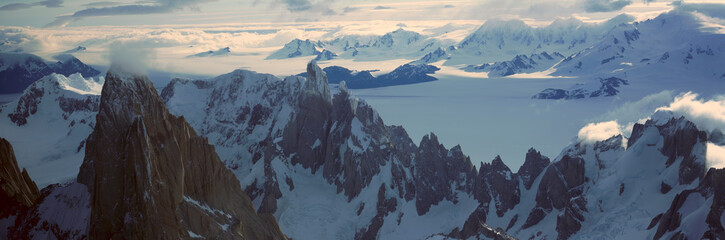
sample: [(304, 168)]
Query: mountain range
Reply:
[(19, 70), (305, 155)]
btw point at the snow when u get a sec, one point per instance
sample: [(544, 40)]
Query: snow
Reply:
[(194, 235), (715, 156), (707, 115), (63, 133), (205, 207)]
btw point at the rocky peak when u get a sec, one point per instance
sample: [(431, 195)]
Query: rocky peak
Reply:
[(16, 187), (150, 175), (503, 184), (533, 165)]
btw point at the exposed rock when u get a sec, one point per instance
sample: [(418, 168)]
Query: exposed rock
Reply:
[(534, 164), (174, 183), (17, 189), (609, 87)]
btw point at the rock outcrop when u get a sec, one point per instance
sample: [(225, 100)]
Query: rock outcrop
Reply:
[(150, 175), (17, 190)]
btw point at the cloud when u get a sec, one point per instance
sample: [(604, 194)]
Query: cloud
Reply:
[(157, 6), (605, 5), (448, 6), (382, 8), (715, 156), (130, 56), (298, 5), (102, 4), (595, 132), (350, 9), (17, 6), (706, 115), (710, 9), (635, 110)]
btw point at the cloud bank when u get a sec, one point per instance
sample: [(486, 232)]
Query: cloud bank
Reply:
[(18, 6), (708, 115), (601, 131), (156, 6)]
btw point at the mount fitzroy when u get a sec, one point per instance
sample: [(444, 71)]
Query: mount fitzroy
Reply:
[(146, 175), (326, 166)]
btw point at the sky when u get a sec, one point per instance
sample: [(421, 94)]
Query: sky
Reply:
[(62, 13)]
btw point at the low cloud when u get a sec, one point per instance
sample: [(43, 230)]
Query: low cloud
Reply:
[(157, 6), (18, 6), (715, 156), (604, 5), (595, 132), (102, 4), (382, 8), (707, 115), (710, 9), (130, 56)]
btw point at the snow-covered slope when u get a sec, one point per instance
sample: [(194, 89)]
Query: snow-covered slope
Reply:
[(672, 45), (55, 114), (520, 64), (297, 48), (221, 52), (498, 40), (19, 70), (303, 153), (397, 44)]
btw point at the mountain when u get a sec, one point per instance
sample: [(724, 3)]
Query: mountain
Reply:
[(609, 87), (77, 49), (434, 56), (392, 45), (296, 48), (145, 174), (402, 75), (520, 64), (221, 52), (308, 155), (325, 55), (19, 70), (499, 40), (63, 111), (672, 44), (17, 190)]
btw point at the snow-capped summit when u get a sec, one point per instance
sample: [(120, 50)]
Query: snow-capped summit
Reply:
[(296, 48), (672, 44), (221, 52), (19, 70), (60, 109), (499, 40)]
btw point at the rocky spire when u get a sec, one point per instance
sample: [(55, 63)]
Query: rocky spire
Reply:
[(151, 175), (16, 187)]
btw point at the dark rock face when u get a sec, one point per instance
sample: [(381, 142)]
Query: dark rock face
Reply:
[(560, 189), (534, 164), (174, 183), (16, 187), (21, 71), (402, 75), (681, 136), (712, 186), (71, 65), (503, 184), (437, 171), (27, 105), (519, 64), (609, 87)]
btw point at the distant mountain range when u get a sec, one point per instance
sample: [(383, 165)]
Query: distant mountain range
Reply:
[(19, 70)]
